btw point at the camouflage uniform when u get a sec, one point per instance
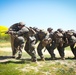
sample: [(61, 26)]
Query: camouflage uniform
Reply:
[(18, 46), (61, 48), (72, 47), (57, 42), (45, 41), (52, 46), (40, 36), (17, 42), (71, 41), (29, 47)]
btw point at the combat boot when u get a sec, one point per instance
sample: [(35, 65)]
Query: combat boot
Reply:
[(53, 58), (63, 58), (33, 59), (13, 56), (19, 56), (74, 57), (42, 59)]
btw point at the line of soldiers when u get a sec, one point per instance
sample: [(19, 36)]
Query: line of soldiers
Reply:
[(27, 37)]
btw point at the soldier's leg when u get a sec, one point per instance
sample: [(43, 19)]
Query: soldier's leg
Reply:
[(51, 50), (20, 44), (26, 48), (15, 48), (73, 49), (14, 52), (32, 50), (39, 50), (29, 48), (20, 51), (61, 52), (75, 52), (12, 46)]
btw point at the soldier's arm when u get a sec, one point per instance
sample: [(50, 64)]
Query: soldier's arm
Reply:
[(20, 32), (74, 34)]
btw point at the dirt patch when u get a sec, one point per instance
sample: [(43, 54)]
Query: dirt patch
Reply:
[(6, 49), (68, 53)]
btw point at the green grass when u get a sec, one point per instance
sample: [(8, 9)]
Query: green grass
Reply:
[(67, 48), (4, 40), (7, 69), (24, 66), (28, 69)]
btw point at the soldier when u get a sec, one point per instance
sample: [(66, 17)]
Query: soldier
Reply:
[(30, 45), (71, 41), (39, 37), (57, 42), (60, 42), (17, 42), (53, 45), (24, 31), (65, 42), (43, 40)]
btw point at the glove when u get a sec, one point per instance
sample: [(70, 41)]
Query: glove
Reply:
[(11, 32)]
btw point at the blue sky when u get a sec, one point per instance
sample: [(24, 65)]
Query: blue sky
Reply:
[(39, 13)]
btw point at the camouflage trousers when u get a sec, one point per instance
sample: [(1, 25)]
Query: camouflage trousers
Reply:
[(17, 44), (30, 47)]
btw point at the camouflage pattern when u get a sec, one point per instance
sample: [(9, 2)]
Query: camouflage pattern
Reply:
[(57, 42), (69, 40), (40, 36), (43, 41), (50, 40), (17, 42), (30, 44), (70, 35), (24, 32)]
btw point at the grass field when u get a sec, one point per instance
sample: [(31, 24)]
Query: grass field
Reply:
[(24, 66), (5, 44)]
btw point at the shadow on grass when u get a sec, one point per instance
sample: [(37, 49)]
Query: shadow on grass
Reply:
[(9, 59), (5, 57), (68, 58)]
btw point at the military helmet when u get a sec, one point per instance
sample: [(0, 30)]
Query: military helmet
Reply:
[(60, 30), (69, 33), (48, 29), (36, 29), (22, 23)]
